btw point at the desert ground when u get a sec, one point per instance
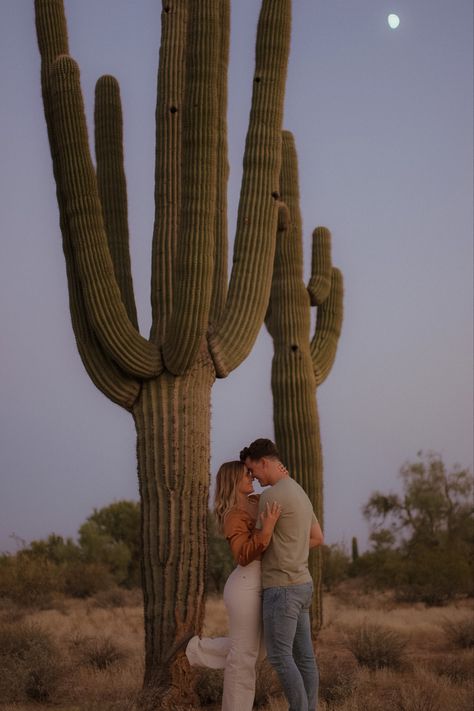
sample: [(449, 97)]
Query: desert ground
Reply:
[(374, 655)]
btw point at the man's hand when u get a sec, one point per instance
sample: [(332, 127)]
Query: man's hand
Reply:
[(270, 516)]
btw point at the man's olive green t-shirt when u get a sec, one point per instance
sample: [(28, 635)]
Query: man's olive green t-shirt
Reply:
[(285, 562)]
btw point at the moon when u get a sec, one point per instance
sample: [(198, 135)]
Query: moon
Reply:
[(393, 21)]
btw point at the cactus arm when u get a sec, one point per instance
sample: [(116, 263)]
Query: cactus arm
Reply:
[(321, 265), (219, 291), (192, 288), (168, 161), (289, 300), (249, 289), (328, 329), (113, 382), (112, 185), (289, 307), (106, 376), (83, 212)]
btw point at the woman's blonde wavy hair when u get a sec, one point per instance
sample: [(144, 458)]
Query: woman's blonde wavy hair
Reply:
[(227, 481)]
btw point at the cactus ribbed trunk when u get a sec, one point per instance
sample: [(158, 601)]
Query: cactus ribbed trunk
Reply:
[(296, 423), (299, 364), (172, 419), (201, 326)]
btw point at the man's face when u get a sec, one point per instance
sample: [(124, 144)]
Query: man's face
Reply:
[(258, 469)]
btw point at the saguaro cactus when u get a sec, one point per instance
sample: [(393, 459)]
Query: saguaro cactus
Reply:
[(299, 364), (201, 328)]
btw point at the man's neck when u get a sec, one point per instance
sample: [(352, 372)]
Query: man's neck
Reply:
[(279, 472)]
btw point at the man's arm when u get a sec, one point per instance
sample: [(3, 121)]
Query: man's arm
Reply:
[(316, 537)]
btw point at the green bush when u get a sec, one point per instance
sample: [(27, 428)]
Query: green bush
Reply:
[(336, 565), (433, 575), (29, 581), (86, 579)]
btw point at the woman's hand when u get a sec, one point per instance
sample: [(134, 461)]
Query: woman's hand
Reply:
[(270, 516)]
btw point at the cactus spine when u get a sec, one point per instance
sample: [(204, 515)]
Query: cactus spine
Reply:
[(299, 364), (200, 328)]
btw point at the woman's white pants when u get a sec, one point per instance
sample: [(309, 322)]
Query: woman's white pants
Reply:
[(238, 653)]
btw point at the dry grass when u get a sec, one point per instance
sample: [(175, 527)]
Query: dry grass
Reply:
[(377, 647), (460, 631), (438, 677)]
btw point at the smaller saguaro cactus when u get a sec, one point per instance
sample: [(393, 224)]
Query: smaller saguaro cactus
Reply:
[(301, 364), (355, 549)]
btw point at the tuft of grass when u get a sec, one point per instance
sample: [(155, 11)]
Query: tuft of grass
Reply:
[(458, 668), (209, 686), (97, 652), (337, 679), (30, 667), (267, 686), (377, 647), (460, 632), (419, 699)]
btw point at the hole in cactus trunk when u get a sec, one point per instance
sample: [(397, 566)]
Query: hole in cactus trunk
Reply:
[(294, 348)]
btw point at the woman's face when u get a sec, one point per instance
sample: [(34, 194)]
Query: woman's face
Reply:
[(246, 483)]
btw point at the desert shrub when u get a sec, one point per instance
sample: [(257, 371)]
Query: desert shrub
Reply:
[(381, 569), (111, 536), (30, 667), (55, 548), (419, 698), (460, 632), (113, 597), (337, 680), (429, 528), (96, 652), (458, 668), (336, 565), (29, 582), (433, 575), (86, 579), (424, 692), (376, 647), (209, 686)]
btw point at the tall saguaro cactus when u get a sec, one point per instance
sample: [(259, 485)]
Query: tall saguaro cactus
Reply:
[(201, 327), (300, 365)]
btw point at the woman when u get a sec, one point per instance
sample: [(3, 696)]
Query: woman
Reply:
[(236, 508)]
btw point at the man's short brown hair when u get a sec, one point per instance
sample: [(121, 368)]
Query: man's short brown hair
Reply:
[(258, 449)]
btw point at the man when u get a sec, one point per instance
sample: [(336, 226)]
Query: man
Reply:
[(286, 581)]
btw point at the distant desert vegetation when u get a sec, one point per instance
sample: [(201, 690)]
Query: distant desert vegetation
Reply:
[(375, 654)]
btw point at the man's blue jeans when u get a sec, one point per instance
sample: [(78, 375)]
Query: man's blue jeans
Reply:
[(287, 632)]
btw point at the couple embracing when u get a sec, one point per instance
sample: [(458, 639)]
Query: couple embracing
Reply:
[(269, 593)]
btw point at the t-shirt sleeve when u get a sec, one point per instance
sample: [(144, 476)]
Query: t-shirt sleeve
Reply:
[(246, 543)]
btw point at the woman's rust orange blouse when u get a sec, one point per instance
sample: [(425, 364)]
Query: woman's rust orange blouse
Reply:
[(246, 542)]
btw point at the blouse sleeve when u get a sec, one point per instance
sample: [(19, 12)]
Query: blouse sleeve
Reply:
[(246, 543)]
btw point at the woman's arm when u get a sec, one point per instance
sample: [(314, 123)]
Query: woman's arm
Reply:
[(246, 542)]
